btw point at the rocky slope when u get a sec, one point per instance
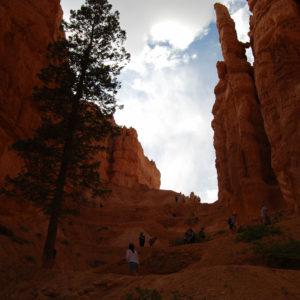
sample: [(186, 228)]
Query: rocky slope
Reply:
[(254, 160), (91, 247), (26, 29)]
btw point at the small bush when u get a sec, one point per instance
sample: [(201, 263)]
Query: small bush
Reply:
[(283, 256), (256, 232), (19, 240), (221, 232), (102, 228), (199, 238), (6, 231), (24, 228), (144, 294), (39, 235), (96, 263), (176, 242), (65, 242), (30, 258)]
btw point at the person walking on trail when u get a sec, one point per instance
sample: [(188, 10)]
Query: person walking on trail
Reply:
[(232, 222), (132, 258), (201, 234), (142, 239), (264, 215), (152, 241)]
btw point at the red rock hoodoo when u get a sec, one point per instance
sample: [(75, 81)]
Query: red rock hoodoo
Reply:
[(254, 160), (26, 29)]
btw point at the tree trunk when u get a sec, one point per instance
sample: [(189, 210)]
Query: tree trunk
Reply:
[(49, 250)]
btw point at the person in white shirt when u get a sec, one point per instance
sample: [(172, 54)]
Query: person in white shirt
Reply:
[(132, 258)]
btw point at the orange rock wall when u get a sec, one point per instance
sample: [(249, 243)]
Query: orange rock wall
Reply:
[(245, 176), (26, 28), (124, 163), (275, 41), (257, 109)]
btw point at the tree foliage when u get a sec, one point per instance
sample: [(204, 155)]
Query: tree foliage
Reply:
[(77, 99)]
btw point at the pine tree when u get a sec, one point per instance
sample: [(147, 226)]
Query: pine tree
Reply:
[(77, 99)]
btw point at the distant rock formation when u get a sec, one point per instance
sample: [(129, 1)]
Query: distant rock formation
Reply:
[(247, 125), (125, 164), (26, 28)]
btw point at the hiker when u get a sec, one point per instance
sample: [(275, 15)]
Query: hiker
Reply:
[(232, 222), (189, 237), (201, 234), (132, 258), (152, 241), (192, 236), (142, 239), (264, 215)]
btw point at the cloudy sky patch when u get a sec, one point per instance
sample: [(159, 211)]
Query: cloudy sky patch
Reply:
[(167, 89)]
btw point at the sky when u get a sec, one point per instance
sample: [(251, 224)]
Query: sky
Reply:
[(168, 87)]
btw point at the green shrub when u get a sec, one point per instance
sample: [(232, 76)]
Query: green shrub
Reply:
[(198, 239), (284, 255), (102, 228), (221, 232), (30, 258), (96, 263), (65, 242), (144, 294), (6, 231), (19, 240), (176, 242), (253, 233)]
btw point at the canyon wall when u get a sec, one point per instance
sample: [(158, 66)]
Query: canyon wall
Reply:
[(26, 28), (124, 162), (257, 157), (275, 41)]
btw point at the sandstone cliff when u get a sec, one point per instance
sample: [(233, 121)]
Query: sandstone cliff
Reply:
[(245, 176), (26, 28), (256, 111), (275, 41), (125, 164)]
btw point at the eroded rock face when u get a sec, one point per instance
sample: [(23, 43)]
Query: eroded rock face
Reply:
[(124, 162), (245, 176), (26, 28), (275, 41)]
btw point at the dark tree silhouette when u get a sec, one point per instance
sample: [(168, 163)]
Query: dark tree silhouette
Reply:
[(77, 101)]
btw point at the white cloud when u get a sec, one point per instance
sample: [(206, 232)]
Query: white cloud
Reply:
[(168, 95), (175, 33), (190, 18), (241, 20)]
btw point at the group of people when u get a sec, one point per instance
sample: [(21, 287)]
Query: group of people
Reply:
[(142, 240), (263, 214), (189, 237)]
